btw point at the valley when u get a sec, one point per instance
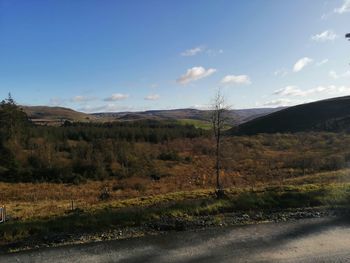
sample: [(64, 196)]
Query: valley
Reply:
[(91, 177)]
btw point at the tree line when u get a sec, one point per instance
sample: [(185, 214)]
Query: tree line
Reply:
[(76, 152)]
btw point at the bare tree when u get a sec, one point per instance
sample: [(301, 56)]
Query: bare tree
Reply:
[(219, 121)]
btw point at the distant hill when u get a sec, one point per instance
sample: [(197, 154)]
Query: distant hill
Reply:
[(235, 116), (325, 115), (55, 115)]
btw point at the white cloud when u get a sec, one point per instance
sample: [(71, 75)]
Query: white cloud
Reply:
[(344, 8), (325, 16), (82, 99), (289, 91), (201, 49), (345, 74), (281, 72), (335, 75), (200, 107), (106, 108), (236, 79), (194, 74), (302, 63), (327, 35), (330, 90), (284, 102), (278, 103), (214, 52), (193, 51), (152, 97), (117, 96), (322, 62), (295, 91), (56, 101), (320, 92)]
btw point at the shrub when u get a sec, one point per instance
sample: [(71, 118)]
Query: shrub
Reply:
[(104, 195), (169, 156)]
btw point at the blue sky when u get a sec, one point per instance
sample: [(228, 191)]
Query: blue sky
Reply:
[(115, 55)]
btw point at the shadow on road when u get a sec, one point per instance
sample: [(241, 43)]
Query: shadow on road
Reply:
[(249, 242)]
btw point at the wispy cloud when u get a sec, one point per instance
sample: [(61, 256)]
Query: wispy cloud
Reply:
[(106, 108), (56, 101), (201, 106), (323, 91), (322, 62), (281, 72), (278, 103), (344, 8), (201, 49), (193, 51), (194, 74), (236, 80), (289, 91), (325, 16), (214, 52), (116, 97), (335, 75), (327, 35), (152, 97), (81, 99), (302, 63)]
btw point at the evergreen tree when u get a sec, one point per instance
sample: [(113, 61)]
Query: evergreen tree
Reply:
[(13, 122)]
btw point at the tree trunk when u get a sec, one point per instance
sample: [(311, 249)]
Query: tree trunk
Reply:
[(218, 184)]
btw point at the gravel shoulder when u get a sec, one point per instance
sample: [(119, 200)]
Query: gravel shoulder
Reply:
[(167, 224), (325, 239)]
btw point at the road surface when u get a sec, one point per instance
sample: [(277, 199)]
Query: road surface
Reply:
[(308, 240)]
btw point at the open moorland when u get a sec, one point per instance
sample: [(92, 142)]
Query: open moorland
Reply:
[(60, 183)]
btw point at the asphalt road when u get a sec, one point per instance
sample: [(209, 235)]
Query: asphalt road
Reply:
[(309, 240)]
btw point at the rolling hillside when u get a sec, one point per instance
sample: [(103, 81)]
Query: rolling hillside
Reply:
[(200, 118), (55, 115), (235, 116), (325, 115)]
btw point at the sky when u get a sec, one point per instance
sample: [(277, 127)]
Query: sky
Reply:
[(130, 55)]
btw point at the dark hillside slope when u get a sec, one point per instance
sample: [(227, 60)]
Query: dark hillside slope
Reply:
[(325, 115)]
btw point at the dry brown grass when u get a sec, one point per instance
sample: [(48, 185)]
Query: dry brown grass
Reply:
[(248, 166), (41, 200), (45, 200)]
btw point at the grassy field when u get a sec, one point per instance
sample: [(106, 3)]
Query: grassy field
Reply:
[(196, 123), (199, 124)]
